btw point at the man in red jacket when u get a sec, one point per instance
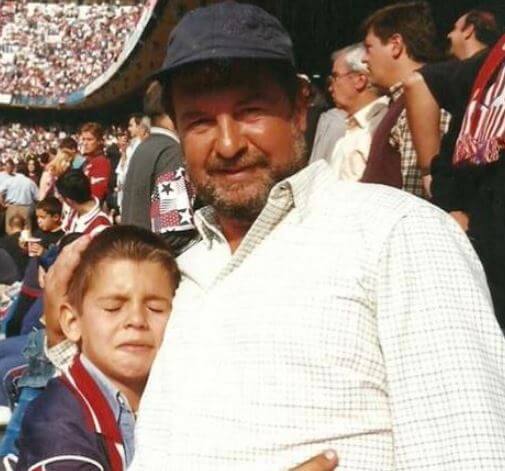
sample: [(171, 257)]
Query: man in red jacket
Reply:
[(96, 167)]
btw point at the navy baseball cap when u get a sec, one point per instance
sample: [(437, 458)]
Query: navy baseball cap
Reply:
[(226, 30)]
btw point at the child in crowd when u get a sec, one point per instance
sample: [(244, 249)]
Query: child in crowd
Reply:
[(48, 212), (85, 215), (120, 298)]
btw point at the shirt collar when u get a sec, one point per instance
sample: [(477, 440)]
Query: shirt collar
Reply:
[(115, 398), (288, 193), (363, 116), (91, 214), (396, 91), (165, 132)]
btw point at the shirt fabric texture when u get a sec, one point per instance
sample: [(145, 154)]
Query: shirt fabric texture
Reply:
[(98, 170), (351, 316), (349, 157), (330, 128)]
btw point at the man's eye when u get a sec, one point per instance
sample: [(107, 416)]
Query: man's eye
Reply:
[(251, 110)]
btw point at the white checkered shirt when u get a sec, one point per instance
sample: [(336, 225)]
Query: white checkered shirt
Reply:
[(401, 140), (352, 316)]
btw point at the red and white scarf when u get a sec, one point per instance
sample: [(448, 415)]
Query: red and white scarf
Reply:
[(482, 134)]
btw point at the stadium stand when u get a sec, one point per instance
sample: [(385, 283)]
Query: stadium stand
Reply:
[(55, 49)]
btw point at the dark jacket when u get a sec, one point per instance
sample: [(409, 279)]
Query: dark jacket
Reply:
[(70, 426)]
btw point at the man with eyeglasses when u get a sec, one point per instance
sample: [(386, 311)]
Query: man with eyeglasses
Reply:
[(352, 92)]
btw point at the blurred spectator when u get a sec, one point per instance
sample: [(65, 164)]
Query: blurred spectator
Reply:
[(473, 32), (96, 167), (139, 128), (85, 215), (49, 214), (34, 169), (10, 243), (59, 165), (468, 165), (399, 39), (19, 193), (54, 49), (352, 92), (156, 195)]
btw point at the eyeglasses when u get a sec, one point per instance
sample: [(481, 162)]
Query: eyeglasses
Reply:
[(334, 77)]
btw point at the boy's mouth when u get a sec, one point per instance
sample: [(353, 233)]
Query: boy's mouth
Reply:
[(135, 347)]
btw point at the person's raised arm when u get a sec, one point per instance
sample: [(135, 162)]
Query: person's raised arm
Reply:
[(423, 114), (56, 284)]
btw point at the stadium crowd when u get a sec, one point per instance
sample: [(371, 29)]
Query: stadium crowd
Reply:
[(318, 317), (54, 49)]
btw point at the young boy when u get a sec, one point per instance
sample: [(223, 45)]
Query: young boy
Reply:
[(120, 298), (48, 212)]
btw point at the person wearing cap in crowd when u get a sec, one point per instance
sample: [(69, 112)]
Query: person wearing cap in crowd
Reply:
[(312, 313)]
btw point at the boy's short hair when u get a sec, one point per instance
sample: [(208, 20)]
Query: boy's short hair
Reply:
[(51, 205), (120, 243), (75, 186)]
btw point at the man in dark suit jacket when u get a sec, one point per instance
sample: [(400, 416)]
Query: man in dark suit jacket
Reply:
[(158, 161)]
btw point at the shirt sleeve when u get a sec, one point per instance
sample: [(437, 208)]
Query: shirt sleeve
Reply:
[(443, 349), (99, 176), (170, 160)]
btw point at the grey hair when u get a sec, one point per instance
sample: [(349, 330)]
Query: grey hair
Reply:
[(145, 122), (353, 57)]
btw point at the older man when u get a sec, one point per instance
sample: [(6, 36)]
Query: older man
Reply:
[(352, 92), (312, 313)]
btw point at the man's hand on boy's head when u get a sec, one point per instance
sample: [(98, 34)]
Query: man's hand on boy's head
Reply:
[(56, 285), (326, 461)]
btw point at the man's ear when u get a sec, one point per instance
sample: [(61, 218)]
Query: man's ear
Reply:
[(70, 323), (360, 82), (468, 30), (397, 45), (300, 108)]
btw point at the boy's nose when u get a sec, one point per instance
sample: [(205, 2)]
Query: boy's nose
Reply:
[(136, 318)]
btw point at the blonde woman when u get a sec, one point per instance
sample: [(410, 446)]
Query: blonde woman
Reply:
[(59, 165)]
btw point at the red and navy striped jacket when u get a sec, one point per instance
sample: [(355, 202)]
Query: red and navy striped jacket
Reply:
[(71, 426)]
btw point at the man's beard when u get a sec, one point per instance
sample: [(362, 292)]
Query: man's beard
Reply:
[(248, 208)]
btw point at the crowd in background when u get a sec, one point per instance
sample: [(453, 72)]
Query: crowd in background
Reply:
[(54, 49), (19, 141)]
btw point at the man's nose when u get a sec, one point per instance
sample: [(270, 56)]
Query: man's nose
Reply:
[(230, 141)]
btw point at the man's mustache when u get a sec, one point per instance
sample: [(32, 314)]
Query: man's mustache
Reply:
[(246, 160)]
